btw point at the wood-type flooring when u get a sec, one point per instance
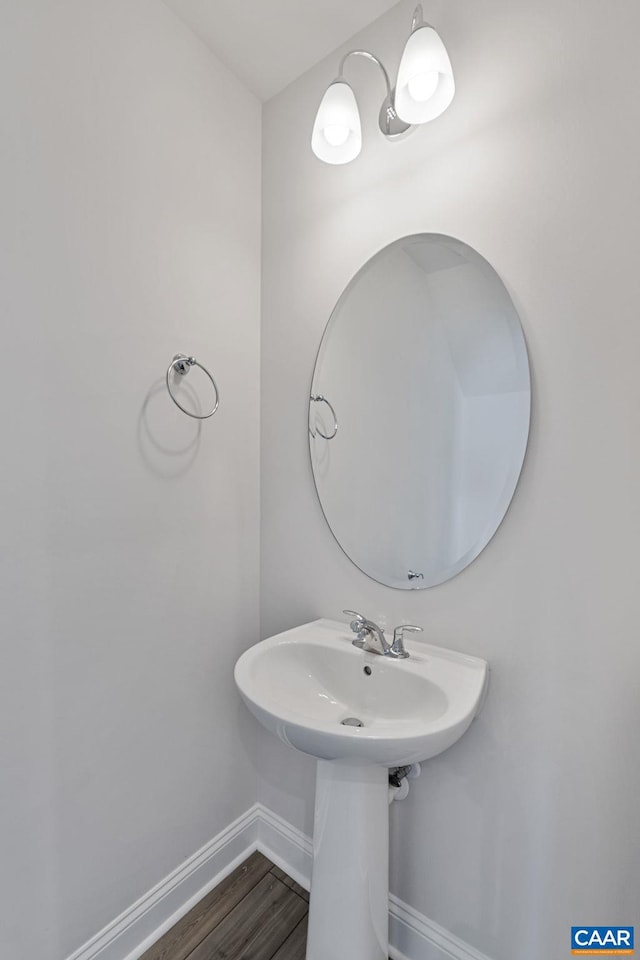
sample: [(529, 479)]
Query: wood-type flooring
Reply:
[(256, 913)]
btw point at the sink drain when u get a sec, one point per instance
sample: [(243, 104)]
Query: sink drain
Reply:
[(352, 722)]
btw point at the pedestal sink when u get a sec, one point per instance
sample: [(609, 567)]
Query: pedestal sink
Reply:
[(303, 685)]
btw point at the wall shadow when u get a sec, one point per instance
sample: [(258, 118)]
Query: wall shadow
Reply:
[(168, 440)]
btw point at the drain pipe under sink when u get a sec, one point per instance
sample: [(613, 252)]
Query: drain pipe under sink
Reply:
[(399, 778)]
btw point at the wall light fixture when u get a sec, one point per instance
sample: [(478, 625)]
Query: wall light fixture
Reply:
[(424, 89)]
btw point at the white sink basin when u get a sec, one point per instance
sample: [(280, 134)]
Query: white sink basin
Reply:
[(303, 683)]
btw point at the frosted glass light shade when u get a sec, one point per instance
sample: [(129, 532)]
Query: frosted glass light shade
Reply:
[(425, 85), (337, 135)]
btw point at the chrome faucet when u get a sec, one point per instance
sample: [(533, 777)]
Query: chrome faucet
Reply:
[(370, 637)]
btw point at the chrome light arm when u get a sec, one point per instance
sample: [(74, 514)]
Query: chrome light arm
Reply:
[(418, 18), (389, 122), (368, 56)]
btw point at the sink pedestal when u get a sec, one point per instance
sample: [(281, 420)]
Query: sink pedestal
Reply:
[(349, 906)]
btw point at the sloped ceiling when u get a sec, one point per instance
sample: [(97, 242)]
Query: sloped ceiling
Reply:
[(268, 44)]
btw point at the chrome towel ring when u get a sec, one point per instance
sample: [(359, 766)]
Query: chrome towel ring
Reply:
[(320, 399), (182, 364)]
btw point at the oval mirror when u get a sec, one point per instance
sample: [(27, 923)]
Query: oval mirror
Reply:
[(419, 411)]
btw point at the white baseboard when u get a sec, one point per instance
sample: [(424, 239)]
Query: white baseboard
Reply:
[(412, 935), (129, 935), (285, 846)]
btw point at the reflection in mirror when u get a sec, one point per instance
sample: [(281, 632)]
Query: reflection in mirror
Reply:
[(419, 411)]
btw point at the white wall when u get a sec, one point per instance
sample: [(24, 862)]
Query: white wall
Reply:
[(130, 230), (529, 824)]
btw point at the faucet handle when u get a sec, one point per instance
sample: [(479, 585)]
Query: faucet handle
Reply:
[(357, 622), (358, 627), (398, 639)]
